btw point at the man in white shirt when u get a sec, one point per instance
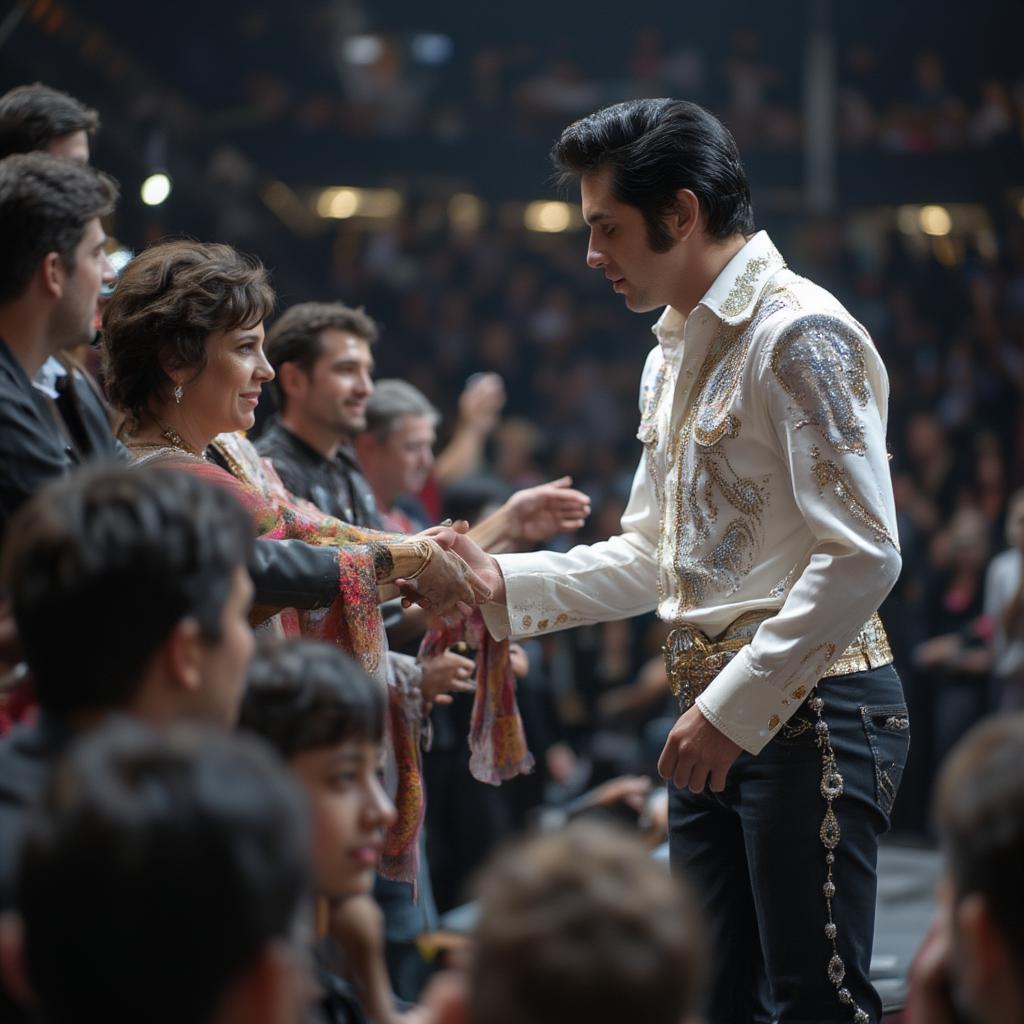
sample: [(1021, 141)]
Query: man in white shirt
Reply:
[(761, 526)]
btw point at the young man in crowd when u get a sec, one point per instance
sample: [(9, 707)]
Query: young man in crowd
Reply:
[(165, 878), (131, 596), (322, 356), (971, 966), (579, 926), (762, 527), (36, 117), (324, 715), (52, 267)]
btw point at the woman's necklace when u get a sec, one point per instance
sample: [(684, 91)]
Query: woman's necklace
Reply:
[(171, 439)]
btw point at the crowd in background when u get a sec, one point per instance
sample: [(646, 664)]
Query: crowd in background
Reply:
[(456, 309)]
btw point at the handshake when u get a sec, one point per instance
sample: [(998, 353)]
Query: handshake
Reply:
[(455, 575)]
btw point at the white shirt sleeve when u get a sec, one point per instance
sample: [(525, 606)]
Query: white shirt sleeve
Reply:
[(825, 393), (613, 579)]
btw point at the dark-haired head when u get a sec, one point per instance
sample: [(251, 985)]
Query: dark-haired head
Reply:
[(113, 560), (653, 148), (182, 858), (297, 336), (303, 695), (980, 811), (582, 925), (170, 298), (47, 208), (325, 716), (38, 117)]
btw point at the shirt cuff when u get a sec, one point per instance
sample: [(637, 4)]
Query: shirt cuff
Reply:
[(741, 703), (496, 620)]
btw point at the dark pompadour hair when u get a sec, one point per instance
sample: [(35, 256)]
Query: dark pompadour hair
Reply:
[(45, 204), (32, 116), (110, 560), (304, 695), (181, 855), (654, 148), (168, 300)]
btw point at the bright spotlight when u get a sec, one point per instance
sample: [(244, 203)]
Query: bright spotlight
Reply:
[(935, 220), (339, 203), (155, 189), (363, 50), (547, 216)]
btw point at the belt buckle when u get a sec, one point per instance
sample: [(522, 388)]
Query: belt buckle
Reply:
[(692, 662)]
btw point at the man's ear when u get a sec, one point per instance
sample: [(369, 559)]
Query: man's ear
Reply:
[(13, 972), (293, 381), (685, 219), (985, 957), (182, 653), (53, 274)]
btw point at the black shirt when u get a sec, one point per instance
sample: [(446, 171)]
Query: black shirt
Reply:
[(336, 486)]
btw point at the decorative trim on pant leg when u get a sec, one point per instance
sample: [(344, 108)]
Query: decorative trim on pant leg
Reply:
[(832, 787)]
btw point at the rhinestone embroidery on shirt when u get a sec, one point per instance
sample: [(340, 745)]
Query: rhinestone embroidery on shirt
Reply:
[(742, 290), (819, 361), (829, 476)]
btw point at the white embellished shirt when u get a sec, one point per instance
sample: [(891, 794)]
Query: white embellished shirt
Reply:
[(764, 486)]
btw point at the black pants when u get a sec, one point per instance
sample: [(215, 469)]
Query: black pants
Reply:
[(757, 864)]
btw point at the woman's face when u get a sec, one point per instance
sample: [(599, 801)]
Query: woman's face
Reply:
[(224, 395)]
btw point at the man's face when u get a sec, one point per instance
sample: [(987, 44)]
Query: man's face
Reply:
[(350, 813), (75, 316), (619, 246), (340, 383), (407, 456), (73, 146), (225, 662)]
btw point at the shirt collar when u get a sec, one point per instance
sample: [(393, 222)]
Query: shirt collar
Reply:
[(733, 294)]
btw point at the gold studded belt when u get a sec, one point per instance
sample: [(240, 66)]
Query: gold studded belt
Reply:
[(693, 659)]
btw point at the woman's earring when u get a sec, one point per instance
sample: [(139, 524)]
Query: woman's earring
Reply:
[(178, 392)]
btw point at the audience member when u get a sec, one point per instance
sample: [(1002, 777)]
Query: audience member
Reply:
[(52, 267), (581, 927), (165, 879), (325, 716), (971, 966), (1004, 607), (131, 596), (37, 117)]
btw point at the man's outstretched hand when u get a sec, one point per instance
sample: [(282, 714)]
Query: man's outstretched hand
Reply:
[(537, 513), (696, 754)]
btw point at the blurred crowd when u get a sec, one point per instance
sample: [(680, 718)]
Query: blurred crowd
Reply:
[(524, 372)]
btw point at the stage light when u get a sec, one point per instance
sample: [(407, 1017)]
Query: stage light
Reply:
[(344, 202), (935, 220), (362, 49), (155, 189), (339, 203), (431, 48), (547, 216), (465, 212)]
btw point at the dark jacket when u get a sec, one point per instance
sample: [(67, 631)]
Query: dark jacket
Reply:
[(336, 486), (41, 439)]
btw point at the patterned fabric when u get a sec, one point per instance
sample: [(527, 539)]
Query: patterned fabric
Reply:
[(497, 742), (353, 621)]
